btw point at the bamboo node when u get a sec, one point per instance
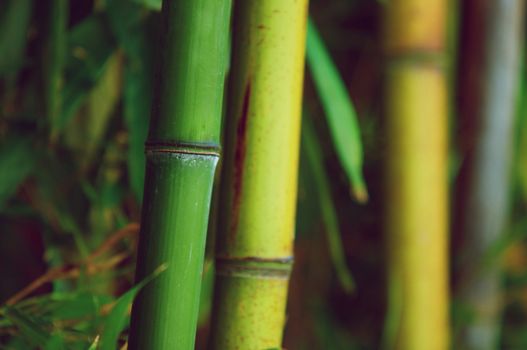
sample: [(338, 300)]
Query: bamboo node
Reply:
[(194, 148), (418, 57), (256, 268)]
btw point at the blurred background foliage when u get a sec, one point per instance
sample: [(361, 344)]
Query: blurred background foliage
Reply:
[(75, 95)]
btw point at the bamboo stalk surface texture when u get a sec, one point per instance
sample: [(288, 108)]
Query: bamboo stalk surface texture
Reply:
[(416, 174), (182, 151), (255, 242)]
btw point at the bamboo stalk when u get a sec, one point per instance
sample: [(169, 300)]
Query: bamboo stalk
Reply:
[(255, 241), (181, 155), (54, 59), (493, 32), (416, 174)]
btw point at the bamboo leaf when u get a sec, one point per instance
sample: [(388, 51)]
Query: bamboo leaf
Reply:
[(75, 307), (314, 157), (330, 333), (308, 209), (17, 162), (55, 342), (31, 330), (14, 22), (340, 114), (95, 344), (119, 316), (90, 47), (86, 131), (128, 25), (393, 316), (56, 206), (151, 4)]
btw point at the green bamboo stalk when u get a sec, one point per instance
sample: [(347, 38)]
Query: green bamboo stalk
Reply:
[(493, 32), (181, 155), (255, 238), (54, 59)]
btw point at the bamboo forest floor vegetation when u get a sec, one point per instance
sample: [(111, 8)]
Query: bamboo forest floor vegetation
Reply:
[(77, 86)]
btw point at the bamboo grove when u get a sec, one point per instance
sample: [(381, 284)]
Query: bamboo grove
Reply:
[(263, 174)]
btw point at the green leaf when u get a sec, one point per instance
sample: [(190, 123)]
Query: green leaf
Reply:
[(14, 23), (131, 30), (75, 306), (308, 209), (32, 331), (16, 343), (17, 162), (95, 344), (56, 342), (311, 148), (84, 135), (90, 47), (68, 224), (118, 318), (55, 205), (328, 331), (340, 114), (151, 4)]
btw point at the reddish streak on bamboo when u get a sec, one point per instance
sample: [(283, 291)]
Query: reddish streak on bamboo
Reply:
[(239, 159)]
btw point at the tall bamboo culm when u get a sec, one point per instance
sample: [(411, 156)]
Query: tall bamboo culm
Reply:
[(491, 49), (416, 174), (54, 57), (182, 151), (255, 242)]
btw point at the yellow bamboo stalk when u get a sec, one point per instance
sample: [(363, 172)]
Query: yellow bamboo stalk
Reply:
[(255, 242), (416, 174)]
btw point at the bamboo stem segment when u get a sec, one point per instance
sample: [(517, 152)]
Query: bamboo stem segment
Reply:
[(54, 59), (492, 46), (416, 174), (255, 241), (181, 155)]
